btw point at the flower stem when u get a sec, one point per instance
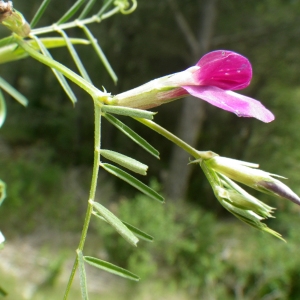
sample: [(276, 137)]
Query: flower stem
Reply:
[(97, 139), (176, 140)]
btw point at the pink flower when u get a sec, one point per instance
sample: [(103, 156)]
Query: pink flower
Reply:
[(212, 79), (219, 72)]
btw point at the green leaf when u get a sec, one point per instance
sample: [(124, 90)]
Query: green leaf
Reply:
[(61, 79), (70, 13), (137, 232), (87, 9), (2, 114), (115, 223), (131, 134), (7, 41), (127, 111), (12, 52), (13, 92), (125, 161), (108, 267), (100, 53), (82, 276), (104, 7), (132, 181), (75, 56), (39, 13)]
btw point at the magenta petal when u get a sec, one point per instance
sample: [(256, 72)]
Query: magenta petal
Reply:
[(225, 69), (241, 105)]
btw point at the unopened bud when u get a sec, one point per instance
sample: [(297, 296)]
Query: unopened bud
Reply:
[(13, 20), (257, 179)]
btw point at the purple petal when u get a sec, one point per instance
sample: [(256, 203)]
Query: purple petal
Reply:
[(225, 69), (241, 105)]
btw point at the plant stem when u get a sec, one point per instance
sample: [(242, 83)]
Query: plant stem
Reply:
[(176, 140), (97, 142), (75, 23), (81, 82)]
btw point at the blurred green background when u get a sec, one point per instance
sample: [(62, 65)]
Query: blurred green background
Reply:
[(200, 251)]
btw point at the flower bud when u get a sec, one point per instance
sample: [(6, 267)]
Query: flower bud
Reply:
[(13, 20), (254, 178)]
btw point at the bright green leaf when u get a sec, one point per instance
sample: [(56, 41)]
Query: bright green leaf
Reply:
[(87, 9), (11, 51), (116, 223), (75, 56), (131, 134), (71, 12), (61, 79), (39, 13), (104, 265), (13, 92), (82, 276), (125, 161), (127, 111), (104, 7), (100, 53), (137, 232), (132, 181)]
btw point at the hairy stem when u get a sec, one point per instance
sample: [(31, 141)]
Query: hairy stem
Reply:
[(97, 140)]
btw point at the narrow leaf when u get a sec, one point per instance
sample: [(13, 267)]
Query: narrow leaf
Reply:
[(127, 111), (82, 276), (115, 223), (11, 51), (13, 92), (39, 13), (70, 13), (7, 41), (87, 9), (131, 134), (137, 232), (104, 265), (104, 7), (100, 53), (132, 181), (61, 79), (75, 57), (2, 114), (125, 161)]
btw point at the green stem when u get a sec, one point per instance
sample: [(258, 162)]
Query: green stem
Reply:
[(75, 23), (176, 140), (97, 139), (81, 82)]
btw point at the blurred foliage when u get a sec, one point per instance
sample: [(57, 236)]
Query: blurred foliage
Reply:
[(193, 254)]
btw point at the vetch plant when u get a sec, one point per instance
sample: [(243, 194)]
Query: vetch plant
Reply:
[(212, 79)]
